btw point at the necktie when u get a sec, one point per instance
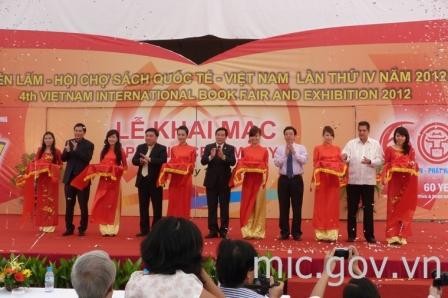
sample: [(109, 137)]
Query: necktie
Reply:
[(219, 147), (145, 167), (289, 170)]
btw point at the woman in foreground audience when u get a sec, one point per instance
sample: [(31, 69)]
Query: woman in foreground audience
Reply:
[(172, 255)]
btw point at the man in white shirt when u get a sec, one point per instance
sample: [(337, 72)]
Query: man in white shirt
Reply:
[(290, 158), (364, 155)]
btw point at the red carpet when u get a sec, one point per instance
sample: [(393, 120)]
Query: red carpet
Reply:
[(429, 240)]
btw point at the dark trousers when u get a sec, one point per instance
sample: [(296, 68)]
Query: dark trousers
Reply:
[(290, 193), (71, 193), (148, 192), (355, 193), (215, 196)]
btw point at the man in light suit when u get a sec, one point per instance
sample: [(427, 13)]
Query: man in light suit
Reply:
[(218, 157), (149, 158)]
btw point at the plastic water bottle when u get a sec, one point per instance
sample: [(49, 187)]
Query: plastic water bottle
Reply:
[(49, 280)]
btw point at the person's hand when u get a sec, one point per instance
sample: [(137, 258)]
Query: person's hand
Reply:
[(213, 153), (74, 143), (435, 292), (144, 159), (329, 267), (67, 146), (366, 161), (290, 149), (220, 154), (277, 291), (210, 286), (353, 252), (205, 277)]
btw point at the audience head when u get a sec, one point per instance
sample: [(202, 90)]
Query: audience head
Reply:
[(93, 275), (235, 263), (360, 288), (173, 244)]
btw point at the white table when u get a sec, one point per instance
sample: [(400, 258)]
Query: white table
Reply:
[(57, 293)]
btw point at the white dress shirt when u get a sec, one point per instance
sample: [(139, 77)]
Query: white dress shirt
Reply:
[(358, 173), (299, 159), (145, 167)]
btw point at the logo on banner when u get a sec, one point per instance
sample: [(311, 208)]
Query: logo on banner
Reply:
[(433, 142)]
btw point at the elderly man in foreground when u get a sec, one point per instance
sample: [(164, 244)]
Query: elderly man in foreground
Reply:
[(93, 275)]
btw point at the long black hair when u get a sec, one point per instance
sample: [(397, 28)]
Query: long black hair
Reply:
[(52, 147), (360, 288), (403, 132), (235, 259), (117, 149), (174, 243)]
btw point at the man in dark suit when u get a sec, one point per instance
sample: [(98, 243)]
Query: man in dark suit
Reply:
[(149, 158), (218, 157), (77, 153)]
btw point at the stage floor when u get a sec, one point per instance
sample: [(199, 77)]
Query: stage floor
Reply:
[(429, 240)]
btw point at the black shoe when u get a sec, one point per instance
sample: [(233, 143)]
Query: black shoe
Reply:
[(297, 237), (371, 240), (212, 235), (141, 234), (81, 233), (68, 233), (351, 239), (223, 235), (283, 237)]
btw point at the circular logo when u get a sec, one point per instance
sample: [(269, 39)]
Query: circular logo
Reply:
[(433, 142)]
